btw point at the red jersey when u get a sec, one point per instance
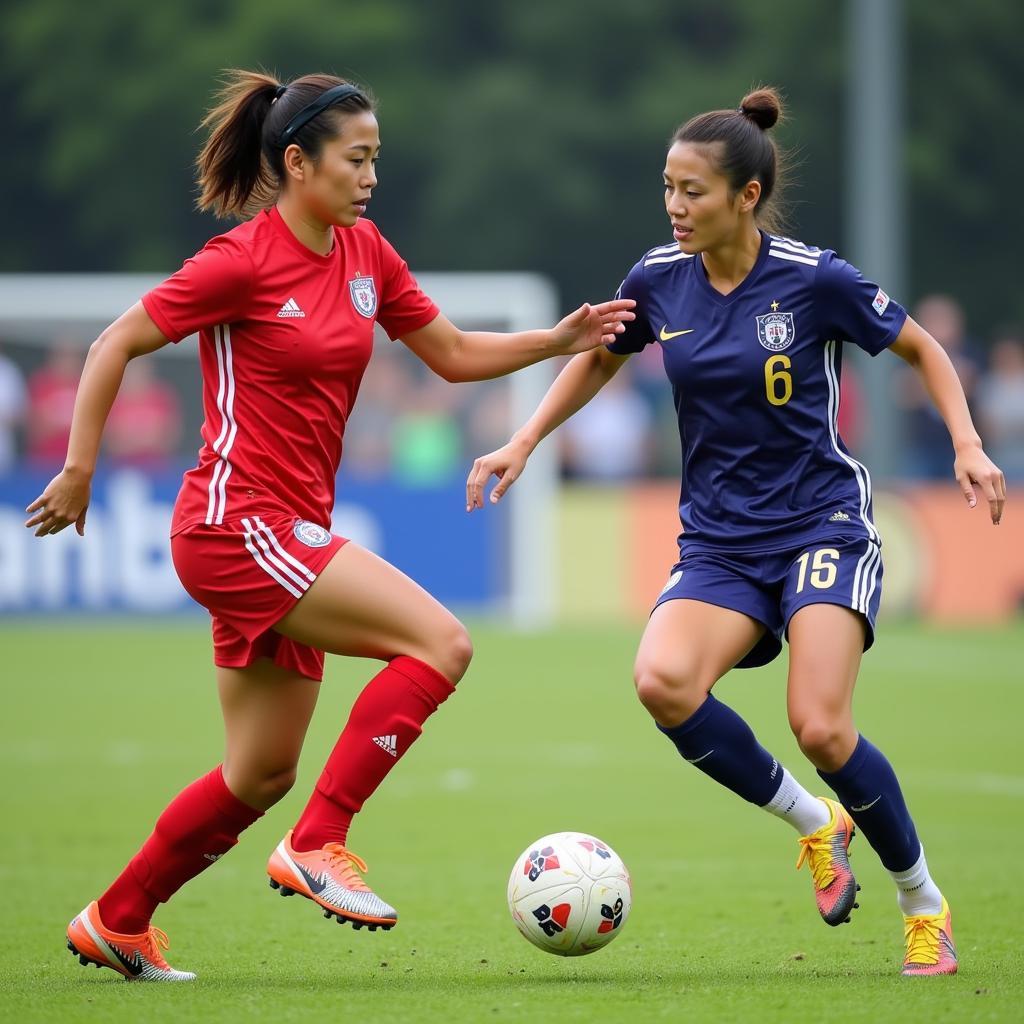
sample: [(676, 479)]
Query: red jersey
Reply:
[(284, 337)]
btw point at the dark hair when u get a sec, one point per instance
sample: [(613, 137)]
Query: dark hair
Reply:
[(241, 166), (741, 150)]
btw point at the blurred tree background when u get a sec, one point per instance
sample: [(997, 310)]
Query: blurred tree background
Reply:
[(526, 135)]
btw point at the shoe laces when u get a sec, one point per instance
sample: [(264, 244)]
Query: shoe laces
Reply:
[(345, 862), (154, 941), (816, 850), (921, 933)]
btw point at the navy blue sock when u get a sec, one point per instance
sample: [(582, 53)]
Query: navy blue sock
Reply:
[(718, 742), (867, 787)]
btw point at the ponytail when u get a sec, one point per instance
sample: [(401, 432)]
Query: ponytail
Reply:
[(231, 169), (240, 169)]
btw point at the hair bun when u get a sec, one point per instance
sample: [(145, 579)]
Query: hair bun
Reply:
[(763, 107)]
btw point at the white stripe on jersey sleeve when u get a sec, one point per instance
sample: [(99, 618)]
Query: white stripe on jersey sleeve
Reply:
[(794, 246), (660, 250), (792, 257), (669, 259)]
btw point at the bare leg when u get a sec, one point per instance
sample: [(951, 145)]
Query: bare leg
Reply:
[(267, 710), (686, 648), (362, 606)]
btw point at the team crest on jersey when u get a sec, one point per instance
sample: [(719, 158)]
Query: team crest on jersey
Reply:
[(364, 296), (310, 534), (775, 331)]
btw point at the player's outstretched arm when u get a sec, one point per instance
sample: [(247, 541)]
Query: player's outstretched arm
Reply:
[(579, 381), (481, 355), (972, 467), (65, 499)]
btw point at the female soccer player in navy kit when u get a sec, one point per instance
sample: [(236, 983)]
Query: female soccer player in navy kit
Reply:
[(285, 305), (777, 529)]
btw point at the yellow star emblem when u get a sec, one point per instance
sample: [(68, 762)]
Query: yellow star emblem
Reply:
[(775, 306)]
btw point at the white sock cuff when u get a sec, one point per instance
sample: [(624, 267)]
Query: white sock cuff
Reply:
[(919, 867)]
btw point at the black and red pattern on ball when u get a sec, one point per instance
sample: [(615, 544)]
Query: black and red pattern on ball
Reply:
[(540, 861), (596, 846), (552, 920), (612, 917)]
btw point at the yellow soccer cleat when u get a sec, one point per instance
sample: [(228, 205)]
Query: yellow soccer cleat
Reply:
[(825, 852), (930, 948), (136, 957), (330, 878)]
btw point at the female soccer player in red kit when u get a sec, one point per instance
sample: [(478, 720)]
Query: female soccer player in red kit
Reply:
[(285, 305)]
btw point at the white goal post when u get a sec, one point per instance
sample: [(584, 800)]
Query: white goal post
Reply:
[(34, 306)]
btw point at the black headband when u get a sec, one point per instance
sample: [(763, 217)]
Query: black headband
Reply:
[(311, 110)]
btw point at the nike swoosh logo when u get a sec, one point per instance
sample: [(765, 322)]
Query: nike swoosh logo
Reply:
[(667, 335), (697, 760), (314, 885), (866, 807), (132, 966)]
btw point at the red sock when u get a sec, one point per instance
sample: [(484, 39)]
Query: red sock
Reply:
[(198, 827), (386, 719)]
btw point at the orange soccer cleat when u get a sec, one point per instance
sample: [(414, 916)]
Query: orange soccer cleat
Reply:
[(329, 877), (136, 957), (825, 851)]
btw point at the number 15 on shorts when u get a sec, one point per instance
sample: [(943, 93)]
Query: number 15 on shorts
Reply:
[(824, 567)]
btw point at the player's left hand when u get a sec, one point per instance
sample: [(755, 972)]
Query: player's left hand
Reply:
[(592, 326), (973, 468), (65, 501)]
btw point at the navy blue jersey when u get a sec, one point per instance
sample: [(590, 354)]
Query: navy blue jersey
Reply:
[(755, 378)]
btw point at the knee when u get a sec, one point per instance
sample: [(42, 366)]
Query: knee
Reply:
[(262, 787), (825, 740), (670, 695), (453, 651)]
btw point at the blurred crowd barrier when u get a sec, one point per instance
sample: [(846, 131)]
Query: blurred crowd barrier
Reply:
[(614, 547), (943, 561), (123, 564)]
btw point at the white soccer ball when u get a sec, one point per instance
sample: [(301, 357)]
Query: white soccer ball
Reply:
[(569, 893)]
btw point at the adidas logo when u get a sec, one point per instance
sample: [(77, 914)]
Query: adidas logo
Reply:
[(290, 308), (388, 743), (837, 517)]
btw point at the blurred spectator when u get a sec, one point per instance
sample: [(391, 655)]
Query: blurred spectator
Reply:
[(850, 421), (487, 418), (930, 454), (51, 400), (611, 437), (12, 410), (1001, 404), (384, 389), (145, 424), (651, 383), (427, 440)]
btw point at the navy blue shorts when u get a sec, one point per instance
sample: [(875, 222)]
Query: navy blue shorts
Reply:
[(771, 586)]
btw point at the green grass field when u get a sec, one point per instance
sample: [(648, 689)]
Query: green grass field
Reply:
[(102, 725)]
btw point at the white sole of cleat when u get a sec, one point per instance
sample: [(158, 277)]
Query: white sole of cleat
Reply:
[(356, 923)]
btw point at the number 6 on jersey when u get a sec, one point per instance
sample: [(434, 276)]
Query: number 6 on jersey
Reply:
[(775, 375)]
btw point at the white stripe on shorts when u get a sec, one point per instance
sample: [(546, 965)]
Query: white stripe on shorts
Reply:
[(291, 581)]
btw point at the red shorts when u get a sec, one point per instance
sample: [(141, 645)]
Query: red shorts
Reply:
[(249, 574)]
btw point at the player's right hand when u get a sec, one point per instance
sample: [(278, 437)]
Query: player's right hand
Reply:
[(64, 501), (507, 464)]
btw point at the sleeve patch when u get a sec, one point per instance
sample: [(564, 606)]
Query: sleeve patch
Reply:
[(880, 303)]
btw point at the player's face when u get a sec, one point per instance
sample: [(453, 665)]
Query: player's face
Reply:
[(697, 200), (338, 186)]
